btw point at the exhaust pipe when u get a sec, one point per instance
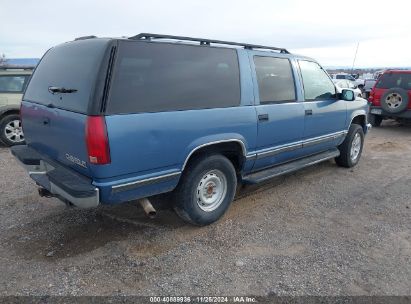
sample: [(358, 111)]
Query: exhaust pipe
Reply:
[(148, 208), (44, 192)]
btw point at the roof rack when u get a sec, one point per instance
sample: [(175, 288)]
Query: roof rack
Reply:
[(148, 36), (16, 67), (85, 37)]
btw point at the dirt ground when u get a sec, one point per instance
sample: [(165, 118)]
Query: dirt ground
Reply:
[(321, 231)]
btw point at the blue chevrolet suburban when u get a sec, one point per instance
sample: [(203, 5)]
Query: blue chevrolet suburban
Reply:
[(108, 121)]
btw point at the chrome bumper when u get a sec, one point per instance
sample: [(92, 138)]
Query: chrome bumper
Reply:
[(40, 171), (368, 127)]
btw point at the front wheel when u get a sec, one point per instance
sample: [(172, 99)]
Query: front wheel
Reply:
[(11, 131), (351, 148), (206, 189)]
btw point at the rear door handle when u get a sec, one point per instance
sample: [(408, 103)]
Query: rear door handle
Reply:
[(308, 112), (46, 121), (262, 117)]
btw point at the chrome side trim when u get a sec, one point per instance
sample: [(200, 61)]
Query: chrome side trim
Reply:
[(301, 144), (251, 156), (279, 150), (126, 186), (213, 143), (324, 138)]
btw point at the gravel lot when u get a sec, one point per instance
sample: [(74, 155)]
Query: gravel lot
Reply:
[(321, 231)]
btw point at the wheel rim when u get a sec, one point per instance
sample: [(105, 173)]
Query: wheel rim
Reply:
[(393, 100), (355, 147), (13, 131), (211, 190)]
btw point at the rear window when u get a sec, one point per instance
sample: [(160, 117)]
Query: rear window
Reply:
[(73, 65), (13, 83), (394, 80), (157, 77)]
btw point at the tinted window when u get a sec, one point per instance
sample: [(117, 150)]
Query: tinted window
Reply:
[(394, 80), (156, 77), (275, 79), (340, 77), (72, 65), (12, 84), (317, 84)]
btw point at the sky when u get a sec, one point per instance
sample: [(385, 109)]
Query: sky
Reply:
[(326, 30)]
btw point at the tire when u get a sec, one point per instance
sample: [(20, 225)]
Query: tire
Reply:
[(375, 120), (395, 100), (11, 132), (347, 158), (202, 173)]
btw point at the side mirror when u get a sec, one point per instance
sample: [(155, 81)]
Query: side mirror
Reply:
[(347, 95)]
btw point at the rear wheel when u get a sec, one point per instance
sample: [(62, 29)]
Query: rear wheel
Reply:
[(11, 130), (206, 190), (351, 148), (375, 120)]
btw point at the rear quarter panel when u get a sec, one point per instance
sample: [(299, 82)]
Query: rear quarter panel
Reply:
[(150, 142)]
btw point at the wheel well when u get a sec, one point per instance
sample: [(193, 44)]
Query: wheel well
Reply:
[(9, 112), (359, 120), (232, 150)]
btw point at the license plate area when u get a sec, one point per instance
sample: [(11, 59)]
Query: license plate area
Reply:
[(376, 111)]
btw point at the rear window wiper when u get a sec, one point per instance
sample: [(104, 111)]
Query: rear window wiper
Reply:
[(55, 90)]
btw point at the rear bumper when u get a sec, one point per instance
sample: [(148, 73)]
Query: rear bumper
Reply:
[(404, 114), (60, 181), (368, 127)]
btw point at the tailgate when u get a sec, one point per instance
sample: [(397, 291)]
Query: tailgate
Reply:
[(57, 133), (64, 89)]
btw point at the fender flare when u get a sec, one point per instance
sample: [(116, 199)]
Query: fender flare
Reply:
[(209, 141), (8, 108)]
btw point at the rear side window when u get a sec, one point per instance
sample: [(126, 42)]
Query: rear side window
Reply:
[(13, 84), (340, 77), (317, 84), (72, 65), (157, 77), (394, 80), (275, 79)]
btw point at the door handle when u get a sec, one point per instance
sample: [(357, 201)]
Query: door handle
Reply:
[(262, 117), (46, 121), (308, 112)]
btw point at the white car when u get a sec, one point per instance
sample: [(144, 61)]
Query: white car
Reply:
[(358, 81), (347, 84)]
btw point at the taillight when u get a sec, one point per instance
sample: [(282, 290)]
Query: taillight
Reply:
[(371, 97), (97, 140)]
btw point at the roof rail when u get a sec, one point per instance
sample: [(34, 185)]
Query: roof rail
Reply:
[(17, 67), (148, 36), (85, 37)]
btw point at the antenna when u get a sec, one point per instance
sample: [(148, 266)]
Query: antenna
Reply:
[(355, 57)]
